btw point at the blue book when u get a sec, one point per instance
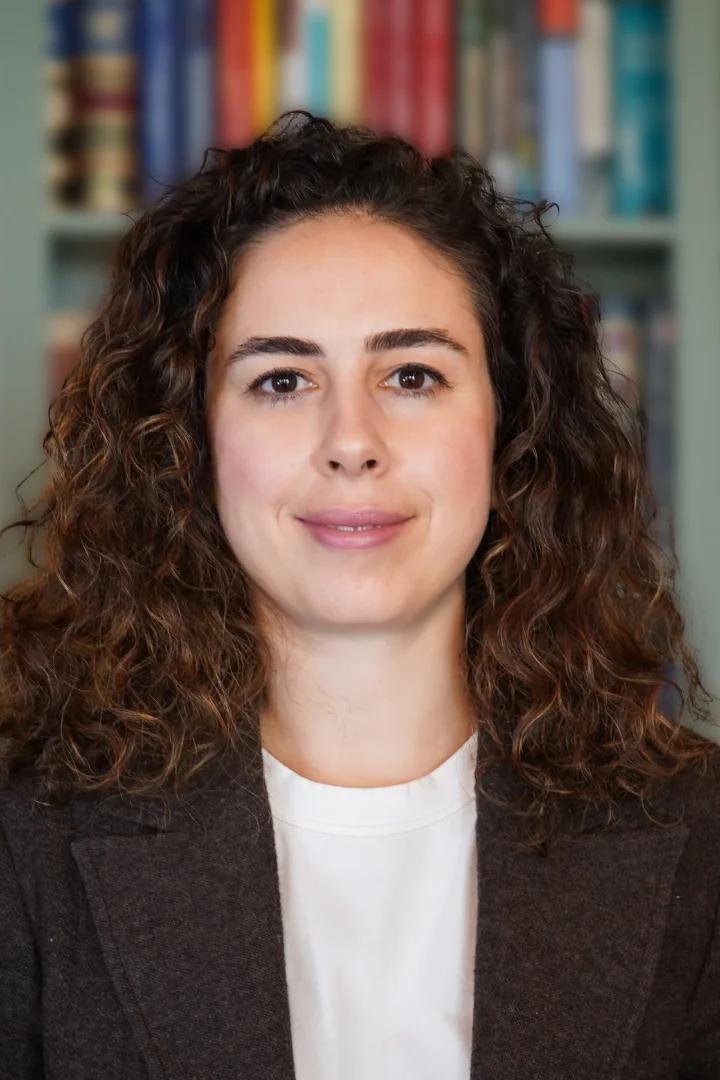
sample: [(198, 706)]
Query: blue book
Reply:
[(641, 108), (525, 31), (62, 29), (197, 78), (316, 44), (558, 123), (160, 111)]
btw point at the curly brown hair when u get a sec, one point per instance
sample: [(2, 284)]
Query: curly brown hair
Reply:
[(132, 659)]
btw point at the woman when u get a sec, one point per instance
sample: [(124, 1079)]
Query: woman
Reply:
[(333, 741)]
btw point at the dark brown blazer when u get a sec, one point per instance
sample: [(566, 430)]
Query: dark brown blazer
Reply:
[(133, 947)]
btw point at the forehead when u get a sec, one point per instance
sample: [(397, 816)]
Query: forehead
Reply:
[(346, 267)]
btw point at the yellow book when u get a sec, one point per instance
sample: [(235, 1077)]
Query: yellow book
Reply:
[(345, 60), (264, 63)]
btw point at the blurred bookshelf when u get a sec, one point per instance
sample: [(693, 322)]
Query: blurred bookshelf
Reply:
[(652, 251)]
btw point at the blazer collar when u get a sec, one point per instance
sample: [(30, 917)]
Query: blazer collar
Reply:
[(187, 911)]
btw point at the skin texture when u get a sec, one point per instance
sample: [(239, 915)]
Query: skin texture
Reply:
[(367, 688)]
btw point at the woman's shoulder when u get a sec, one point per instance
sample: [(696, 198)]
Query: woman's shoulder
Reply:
[(24, 805), (694, 791), (37, 826), (28, 812), (35, 834)]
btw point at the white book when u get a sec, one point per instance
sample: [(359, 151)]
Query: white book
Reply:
[(594, 73), (292, 79)]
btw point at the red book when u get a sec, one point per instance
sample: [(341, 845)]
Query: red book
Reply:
[(375, 60), (400, 76), (558, 16), (235, 125), (433, 76)]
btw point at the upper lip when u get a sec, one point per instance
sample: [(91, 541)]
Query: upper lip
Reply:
[(336, 515)]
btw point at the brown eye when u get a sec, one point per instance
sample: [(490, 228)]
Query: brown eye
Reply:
[(414, 376), (417, 375), (283, 380)]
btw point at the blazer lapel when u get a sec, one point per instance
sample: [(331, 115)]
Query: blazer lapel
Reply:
[(189, 920), (566, 950)]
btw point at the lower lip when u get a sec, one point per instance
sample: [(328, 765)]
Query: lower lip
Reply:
[(365, 538)]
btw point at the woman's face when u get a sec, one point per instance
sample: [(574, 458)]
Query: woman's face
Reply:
[(353, 436)]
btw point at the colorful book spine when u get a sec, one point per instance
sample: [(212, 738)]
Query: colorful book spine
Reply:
[(61, 163), (502, 98), (106, 104), (434, 97), (621, 334), (235, 116), (160, 97), (557, 92), (263, 63), (471, 68), (399, 74), (197, 82), (375, 64), (345, 60), (641, 108), (291, 58), (594, 105), (315, 17), (526, 147)]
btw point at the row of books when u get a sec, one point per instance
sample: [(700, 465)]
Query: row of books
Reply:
[(638, 339), (567, 100)]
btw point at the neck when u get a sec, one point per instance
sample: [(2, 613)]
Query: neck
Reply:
[(371, 709)]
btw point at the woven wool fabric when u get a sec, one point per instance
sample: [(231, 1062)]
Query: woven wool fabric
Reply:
[(140, 946)]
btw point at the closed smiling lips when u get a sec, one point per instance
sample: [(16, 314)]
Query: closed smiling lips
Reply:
[(336, 515)]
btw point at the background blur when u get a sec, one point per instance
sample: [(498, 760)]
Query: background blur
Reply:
[(606, 107)]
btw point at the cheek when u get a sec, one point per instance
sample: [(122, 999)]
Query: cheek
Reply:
[(235, 463), (252, 471), (461, 468)]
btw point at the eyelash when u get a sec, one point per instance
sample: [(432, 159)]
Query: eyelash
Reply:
[(277, 399)]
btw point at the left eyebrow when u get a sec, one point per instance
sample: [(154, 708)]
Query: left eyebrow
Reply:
[(409, 338)]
